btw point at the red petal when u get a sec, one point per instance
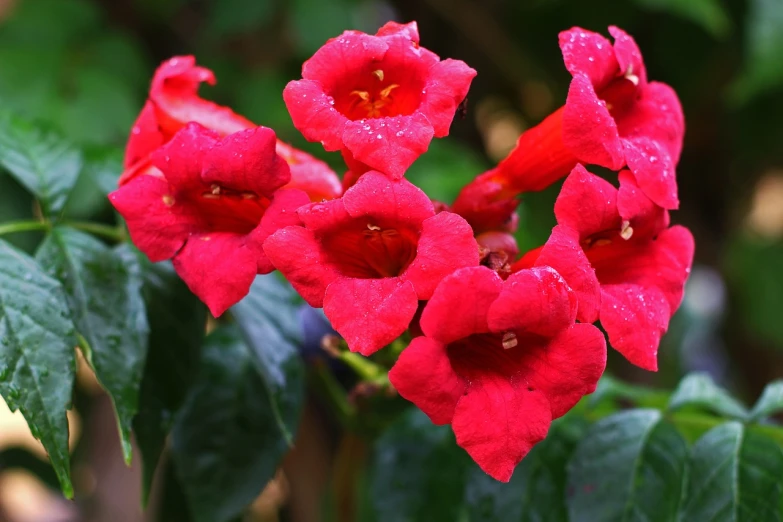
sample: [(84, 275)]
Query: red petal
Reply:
[(424, 376), (310, 174), (498, 424), (145, 136), (589, 53), (377, 196), (313, 113), (645, 217), (181, 159), (629, 57), (635, 318), (156, 228), (281, 213), (458, 307), (409, 30), (370, 313), (447, 85), (589, 131), (247, 161), (567, 368), (174, 93), (654, 171), (587, 203), (325, 215), (446, 243), (296, 253), (535, 300), (391, 144), (219, 268), (563, 253), (341, 57)]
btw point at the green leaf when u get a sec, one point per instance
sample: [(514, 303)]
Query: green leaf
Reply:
[(629, 466), (270, 325), (735, 476), (700, 391), (710, 14), (105, 300), (770, 402), (177, 319), (418, 472), (226, 443), (764, 45), (37, 367), (537, 490), (42, 161)]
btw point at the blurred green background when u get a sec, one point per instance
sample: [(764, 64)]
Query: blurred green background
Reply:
[(83, 67)]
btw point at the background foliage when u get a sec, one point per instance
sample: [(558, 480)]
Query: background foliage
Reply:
[(215, 415)]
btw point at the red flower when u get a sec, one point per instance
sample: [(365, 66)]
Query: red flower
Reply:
[(499, 361), (380, 99), (370, 256), (615, 250), (174, 102), (487, 204), (209, 209), (612, 117)]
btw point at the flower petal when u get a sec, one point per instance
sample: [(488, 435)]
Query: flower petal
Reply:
[(144, 138), (446, 243), (370, 313), (247, 161), (563, 252), (181, 159), (589, 131), (590, 54), (459, 306), (536, 301), (379, 197), (653, 169), (342, 56), (156, 228), (313, 113), (447, 85), (296, 253), (635, 318), (498, 424), (218, 268), (390, 144), (174, 94), (629, 57), (567, 367), (645, 217), (587, 203), (424, 376), (281, 213)]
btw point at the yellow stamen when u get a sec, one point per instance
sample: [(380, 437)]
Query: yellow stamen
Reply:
[(387, 91), (602, 242), (373, 227), (168, 200), (378, 74), (364, 95), (216, 189)]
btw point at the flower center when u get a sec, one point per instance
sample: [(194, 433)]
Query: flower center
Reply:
[(372, 106), (369, 250), (383, 90), (498, 353), (221, 209)]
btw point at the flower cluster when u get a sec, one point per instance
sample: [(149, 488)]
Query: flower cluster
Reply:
[(502, 344)]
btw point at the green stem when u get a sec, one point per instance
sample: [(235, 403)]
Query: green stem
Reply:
[(114, 233), (335, 393), (364, 368), (22, 226)]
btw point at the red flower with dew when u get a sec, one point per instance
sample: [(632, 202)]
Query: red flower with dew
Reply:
[(370, 256), (616, 250), (499, 361), (613, 117), (379, 98), (174, 102), (210, 209)]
